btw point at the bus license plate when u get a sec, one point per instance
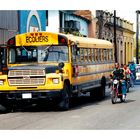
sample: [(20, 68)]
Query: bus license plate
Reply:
[(27, 96)]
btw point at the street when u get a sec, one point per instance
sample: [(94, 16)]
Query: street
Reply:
[(84, 114)]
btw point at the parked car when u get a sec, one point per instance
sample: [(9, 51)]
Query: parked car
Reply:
[(138, 72)]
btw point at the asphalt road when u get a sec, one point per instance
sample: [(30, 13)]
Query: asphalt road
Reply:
[(84, 114)]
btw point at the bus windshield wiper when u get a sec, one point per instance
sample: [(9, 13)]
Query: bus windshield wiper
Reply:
[(25, 49), (46, 49)]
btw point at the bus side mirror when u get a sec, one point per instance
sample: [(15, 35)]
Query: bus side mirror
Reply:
[(60, 66)]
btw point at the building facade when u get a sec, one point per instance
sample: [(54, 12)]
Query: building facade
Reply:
[(8, 25), (128, 43), (32, 20), (124, 35), (15, 22), (53, 21), (77, 22)]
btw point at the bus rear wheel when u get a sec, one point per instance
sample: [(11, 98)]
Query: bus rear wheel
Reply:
[(98, 93), (101, 94)]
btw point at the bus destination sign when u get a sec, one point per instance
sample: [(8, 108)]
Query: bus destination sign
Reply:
[(36, 38)]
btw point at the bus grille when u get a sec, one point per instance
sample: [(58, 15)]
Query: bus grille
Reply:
[(27, 82), (19, 73), (26, 77)]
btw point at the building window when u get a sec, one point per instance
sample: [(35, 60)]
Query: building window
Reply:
[(121, 57), (125, 52)]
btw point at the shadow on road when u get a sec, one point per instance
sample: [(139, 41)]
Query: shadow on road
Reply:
[(129, 101), (76, 103)]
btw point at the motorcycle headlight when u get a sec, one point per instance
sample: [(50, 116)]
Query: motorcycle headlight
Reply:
[(115, 81), (55, 81), (1, 82)]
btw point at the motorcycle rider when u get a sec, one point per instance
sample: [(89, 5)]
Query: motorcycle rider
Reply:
[(119, 74)]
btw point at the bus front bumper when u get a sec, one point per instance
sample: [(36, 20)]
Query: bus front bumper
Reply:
[(30, 95)]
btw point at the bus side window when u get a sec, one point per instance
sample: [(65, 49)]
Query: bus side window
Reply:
[(81, 55), (99, 55), (75, 53), (105, 55), (89, 55), (86, 55), (102, 55), (111, 54), (93, 54)]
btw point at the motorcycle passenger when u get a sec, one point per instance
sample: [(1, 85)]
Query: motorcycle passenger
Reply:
[(118, 73), (127, 73), (132, 67)]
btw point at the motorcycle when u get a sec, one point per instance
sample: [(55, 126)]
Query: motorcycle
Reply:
[(128, 85), (132, 79), (115, 92)]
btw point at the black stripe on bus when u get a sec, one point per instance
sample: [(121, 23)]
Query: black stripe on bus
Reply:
[(88, 85), (91, 73), (92, 63)]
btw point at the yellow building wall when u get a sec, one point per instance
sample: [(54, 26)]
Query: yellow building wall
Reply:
[(128, 38)]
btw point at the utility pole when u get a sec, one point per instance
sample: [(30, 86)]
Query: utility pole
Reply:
[(100, 19), (137, 36), (0, 60), (115, 44)]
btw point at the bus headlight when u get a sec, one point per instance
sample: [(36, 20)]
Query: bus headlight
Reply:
[(55, 81), (1, 82)]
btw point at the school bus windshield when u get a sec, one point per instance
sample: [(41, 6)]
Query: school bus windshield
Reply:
[(26, 54)]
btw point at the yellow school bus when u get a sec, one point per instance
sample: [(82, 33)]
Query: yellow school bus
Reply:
[(42, 66)]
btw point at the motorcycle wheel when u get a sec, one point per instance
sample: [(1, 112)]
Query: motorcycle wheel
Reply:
[(121, 99), (113, 97), (128, 86)]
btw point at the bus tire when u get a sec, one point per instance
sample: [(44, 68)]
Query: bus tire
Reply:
[(101, 94), (6, 108), (65, 100), (102, 90), (93, 93)]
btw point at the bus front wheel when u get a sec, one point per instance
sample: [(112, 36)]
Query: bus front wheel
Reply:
[(65, 100), (6, 108)]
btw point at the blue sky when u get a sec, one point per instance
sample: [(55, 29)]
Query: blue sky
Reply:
[(129, 15)]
